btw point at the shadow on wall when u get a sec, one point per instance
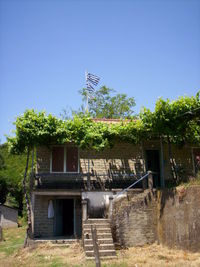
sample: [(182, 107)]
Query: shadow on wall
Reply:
[(163, 197)]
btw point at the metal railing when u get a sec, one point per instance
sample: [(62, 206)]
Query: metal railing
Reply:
[(133, 184)]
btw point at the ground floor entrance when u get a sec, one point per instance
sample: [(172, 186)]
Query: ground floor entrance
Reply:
[(57, 216), (64, 217)]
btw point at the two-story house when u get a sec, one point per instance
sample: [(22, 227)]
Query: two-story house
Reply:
[(68, 176)]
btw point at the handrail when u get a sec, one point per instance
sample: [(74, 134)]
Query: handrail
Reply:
[(130, 186)]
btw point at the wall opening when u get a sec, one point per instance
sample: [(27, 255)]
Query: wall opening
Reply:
[(153, 164), (64, 217)]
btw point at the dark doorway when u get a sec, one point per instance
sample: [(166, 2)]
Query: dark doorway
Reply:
[(153, 164), (64, 217), (68, 217)]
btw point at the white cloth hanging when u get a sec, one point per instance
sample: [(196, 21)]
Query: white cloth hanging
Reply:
[(50, 210)]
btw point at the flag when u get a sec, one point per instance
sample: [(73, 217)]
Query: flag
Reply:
[(90, 88), (92, 78)]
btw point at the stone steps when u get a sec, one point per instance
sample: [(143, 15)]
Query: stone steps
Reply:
[(102, 235), (98, 226), (102, 253), (56, 241), (99, 231), (97, 221), (100, 241), (101, 247), (104, 239)]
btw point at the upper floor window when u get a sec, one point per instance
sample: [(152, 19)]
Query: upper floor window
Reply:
[(64, 159)]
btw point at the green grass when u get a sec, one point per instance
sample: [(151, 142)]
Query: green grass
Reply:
[(13, 239)]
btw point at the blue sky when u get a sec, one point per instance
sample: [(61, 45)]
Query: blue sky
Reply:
[(146, 49)]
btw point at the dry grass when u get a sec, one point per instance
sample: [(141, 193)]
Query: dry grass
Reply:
[(73, 255), (157, 255)]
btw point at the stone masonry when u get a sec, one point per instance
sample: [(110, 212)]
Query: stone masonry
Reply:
[(171, 217), (123, 157), (134, 221)]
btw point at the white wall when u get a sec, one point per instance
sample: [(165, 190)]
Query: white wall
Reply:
[(98, 203)]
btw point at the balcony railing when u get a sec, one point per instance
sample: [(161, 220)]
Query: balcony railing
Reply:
[(87, 181)]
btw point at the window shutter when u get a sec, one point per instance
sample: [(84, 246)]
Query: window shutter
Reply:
[(72, 159), (58, 159)]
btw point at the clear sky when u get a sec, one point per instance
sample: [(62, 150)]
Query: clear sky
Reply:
[(145, 49)]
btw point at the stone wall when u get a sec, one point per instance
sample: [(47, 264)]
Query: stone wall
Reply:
[(43, 159), (123, 157), (172, 218), (134, 221), (182, 156), (179, 218), (44, 226)]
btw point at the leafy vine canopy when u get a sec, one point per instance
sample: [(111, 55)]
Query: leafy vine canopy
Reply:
[(179, 120)]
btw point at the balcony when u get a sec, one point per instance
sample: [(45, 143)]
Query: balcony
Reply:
[(86, 181)]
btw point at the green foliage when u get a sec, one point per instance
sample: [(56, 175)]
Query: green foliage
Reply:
[(177, 119), (11, 175), (3, 190), (104, 103)]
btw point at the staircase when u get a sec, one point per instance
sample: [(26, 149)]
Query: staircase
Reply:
[(104, 239)]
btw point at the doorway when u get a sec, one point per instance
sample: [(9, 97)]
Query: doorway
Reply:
[(64, 217), (153, 164)]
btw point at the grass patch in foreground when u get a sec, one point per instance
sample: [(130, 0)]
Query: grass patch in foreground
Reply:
[(48, 255), (13, 239)]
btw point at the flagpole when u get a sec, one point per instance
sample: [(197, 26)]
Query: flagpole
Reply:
[(86, 108)]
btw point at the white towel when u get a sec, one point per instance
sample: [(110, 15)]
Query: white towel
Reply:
[(50, 210)]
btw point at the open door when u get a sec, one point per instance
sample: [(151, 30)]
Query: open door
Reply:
[(64, 217), (153, 164)]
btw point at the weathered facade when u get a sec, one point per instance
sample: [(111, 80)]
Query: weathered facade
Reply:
[(61, 188), (169, 216)]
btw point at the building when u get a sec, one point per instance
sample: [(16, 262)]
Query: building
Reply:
[(8, 217), (68, 176)]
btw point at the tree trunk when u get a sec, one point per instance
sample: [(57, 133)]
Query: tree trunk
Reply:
[(32, 174), (28, 209)]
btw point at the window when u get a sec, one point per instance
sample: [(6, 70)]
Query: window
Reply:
[(64, 159)]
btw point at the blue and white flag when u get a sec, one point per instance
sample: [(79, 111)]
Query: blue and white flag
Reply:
[(92, 78), (90, 88)]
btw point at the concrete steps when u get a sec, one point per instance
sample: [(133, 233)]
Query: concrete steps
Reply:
[(104, 239)]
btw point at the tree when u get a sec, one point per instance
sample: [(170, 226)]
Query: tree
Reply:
[(174, 121), (11, 173), (105, 103)]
